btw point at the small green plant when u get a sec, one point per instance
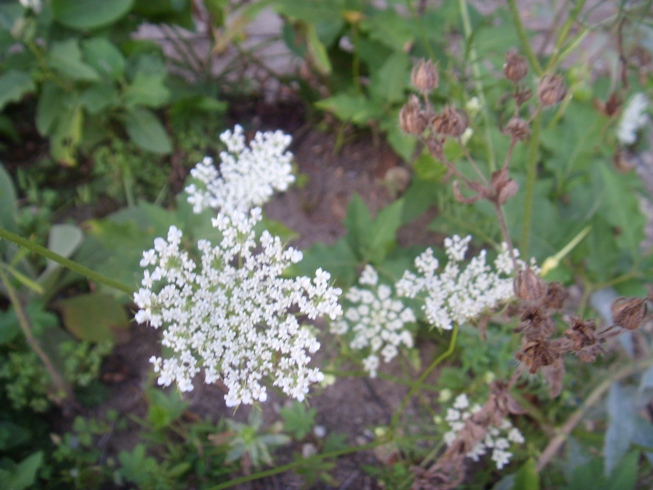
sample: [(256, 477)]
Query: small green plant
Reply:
[(297, 420)]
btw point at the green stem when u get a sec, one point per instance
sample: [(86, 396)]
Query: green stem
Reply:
[(555, 444), (73, 266), (467, 26), (63, 389), (420, 381), (296, 463), (562, 35), (529, 192), (523, 38)]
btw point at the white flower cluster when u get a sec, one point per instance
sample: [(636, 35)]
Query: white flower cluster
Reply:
[(247, 176), (228, 312), (376, 319), (458, 294), (498, 439), (633, 118)]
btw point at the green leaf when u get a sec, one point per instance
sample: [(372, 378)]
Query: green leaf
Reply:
[(355, 108), (51, 102), (93, 317), (66, 58), (13, 85), (104, 56), (382, 238), (429, 169), (146, 131), (89, 14), (8, 206), (297, 420), (164, 408), (358, 222), (389, 82), (99, 97), (147, 90), (22, 475), (317, 51), (41, 320), (527, 478), (338, 259), (12, 435), (390, 28), (621, 425)]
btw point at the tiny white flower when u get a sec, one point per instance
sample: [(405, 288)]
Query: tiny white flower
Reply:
[(632, 119)]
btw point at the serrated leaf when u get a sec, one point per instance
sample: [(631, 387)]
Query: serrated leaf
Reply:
[(99, 97), (358, 222), (383, 236), (621, 426), (146, 131), (89, 14), (93, 317), (13, 85)]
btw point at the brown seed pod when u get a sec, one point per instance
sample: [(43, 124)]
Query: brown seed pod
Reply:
[(628, 313), (450, 122), (551, 90), (517, 128), (412, 119), (424, 76), (516, 67), (528, 286)]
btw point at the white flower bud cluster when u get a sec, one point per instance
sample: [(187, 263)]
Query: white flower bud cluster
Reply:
[(228, 312), (632, 119), (247, 176), (458, 294), (376, 319), (499, 439)]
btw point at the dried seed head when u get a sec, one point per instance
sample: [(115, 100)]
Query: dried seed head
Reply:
[(536, 354), (517, 129), (582, 333), (412, 119), (424, 76), (628, 313), (516, 67), (551, 90), (451, 122), (555, 296), (528, 286)]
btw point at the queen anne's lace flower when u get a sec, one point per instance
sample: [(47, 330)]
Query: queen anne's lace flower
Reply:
[(458, 294), (376, 319), (633, 118), (228, 312), (497, 438), (247, 176)]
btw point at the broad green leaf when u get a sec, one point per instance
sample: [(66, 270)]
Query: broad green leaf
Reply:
[(104, 56), (527, 477), (310, 12), (428, 169), (177, 12), (317, 51), (621, 208), (66, 58), (12, 435), (164, 408), (146, 90), (146, 131), (64, 240), (93, 317), (355, 108), (8, 204), (337, 259), (51, 103), (89, 14), (389, 82), (13, 85), (383, 234), (390, 28), (22, 475), (358, 222), (67, 135), (298, 420), (99, 97), (621, 425)]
